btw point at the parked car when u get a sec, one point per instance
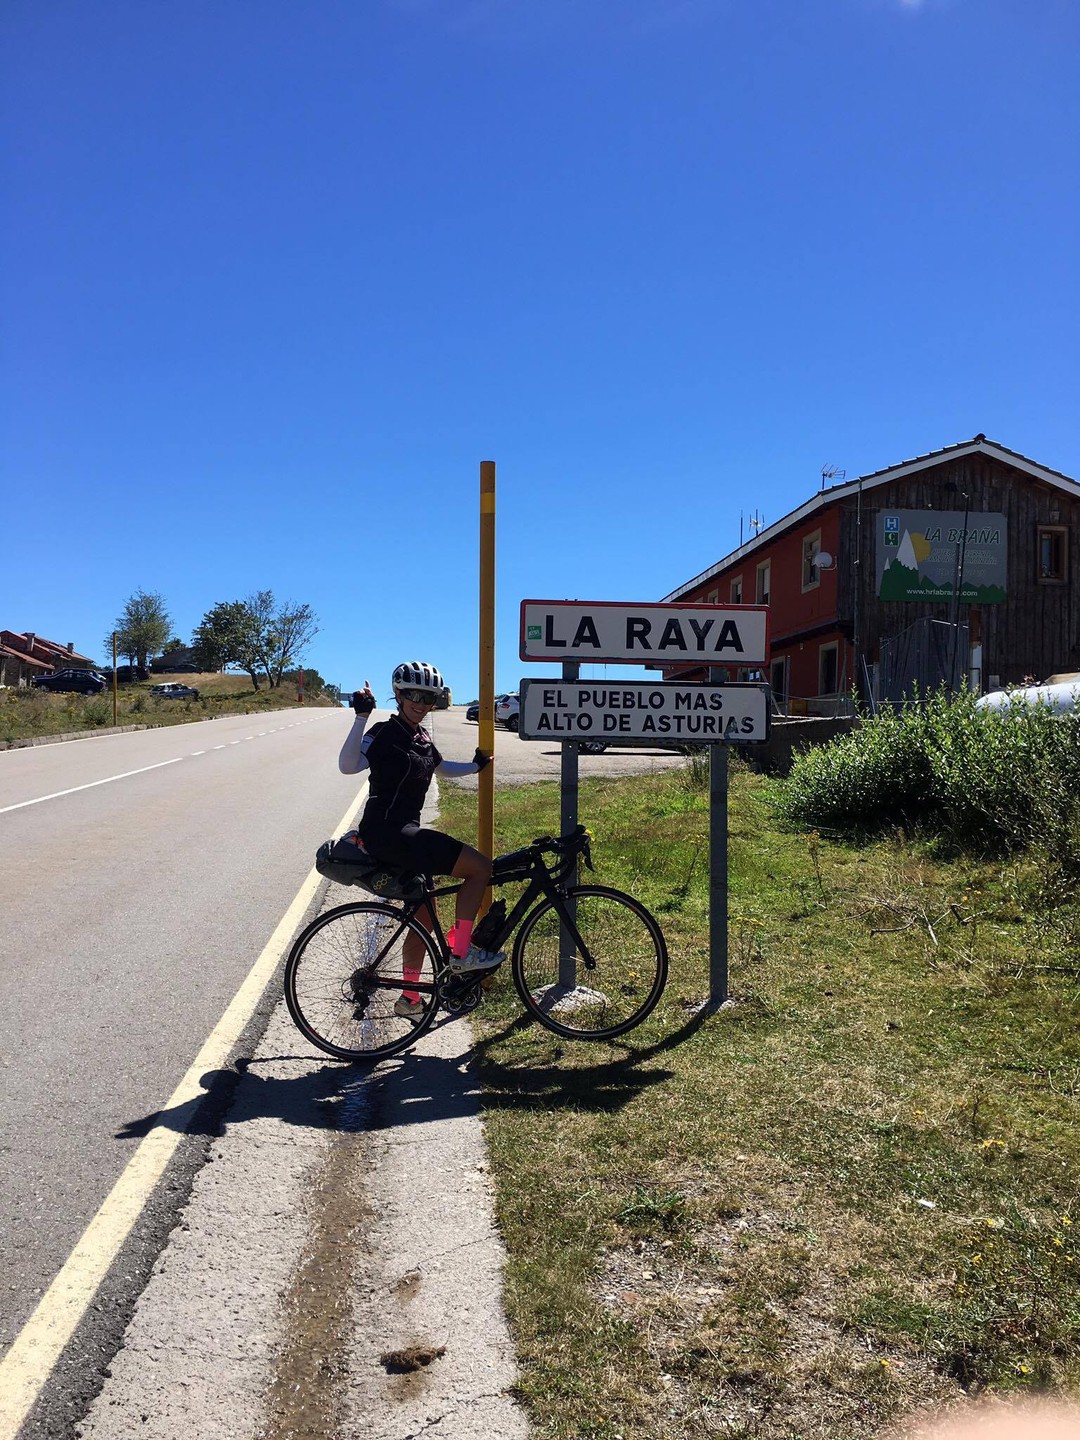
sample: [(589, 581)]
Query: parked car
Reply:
[(82, 682), (472, 710), (174, 691), (677, 747), (508, 710), (126, 674)]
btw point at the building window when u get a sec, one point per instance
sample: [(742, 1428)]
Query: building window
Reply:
[(712, 597), (811, 575), (778, 680), (1053, 554), (761, 592), (736, 591), (827, 681)]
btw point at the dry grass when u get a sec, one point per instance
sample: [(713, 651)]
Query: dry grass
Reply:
[(27, 713), (848, 1196), (207, 683)]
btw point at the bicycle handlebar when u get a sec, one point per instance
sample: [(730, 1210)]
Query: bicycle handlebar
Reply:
[(575, 842)]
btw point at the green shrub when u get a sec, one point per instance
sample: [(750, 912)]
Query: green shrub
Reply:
[(98, 711), (993, 778)]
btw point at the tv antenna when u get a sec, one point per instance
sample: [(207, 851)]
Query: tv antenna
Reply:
[(831, 472), (756, 522)]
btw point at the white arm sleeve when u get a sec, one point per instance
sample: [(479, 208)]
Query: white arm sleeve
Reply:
[(454, 768), (351, 761)]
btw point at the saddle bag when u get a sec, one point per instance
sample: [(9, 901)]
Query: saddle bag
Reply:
[(346, 862)]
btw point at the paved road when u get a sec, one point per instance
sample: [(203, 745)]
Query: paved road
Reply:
[(133, 908), (142, 875)]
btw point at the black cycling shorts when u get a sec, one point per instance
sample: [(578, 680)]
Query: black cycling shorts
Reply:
[(428, 852)]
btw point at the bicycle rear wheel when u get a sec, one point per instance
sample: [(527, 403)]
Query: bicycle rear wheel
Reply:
[(605, 991), (346, 973)]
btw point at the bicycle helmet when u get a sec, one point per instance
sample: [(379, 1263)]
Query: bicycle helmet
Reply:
[(418, 675)]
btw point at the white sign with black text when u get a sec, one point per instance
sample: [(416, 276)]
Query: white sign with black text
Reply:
[(642, 710), (647, 634)]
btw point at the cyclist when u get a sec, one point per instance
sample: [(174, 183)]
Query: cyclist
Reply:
[(402, 758)]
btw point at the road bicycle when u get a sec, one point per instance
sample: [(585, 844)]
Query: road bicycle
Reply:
[(588, 962)]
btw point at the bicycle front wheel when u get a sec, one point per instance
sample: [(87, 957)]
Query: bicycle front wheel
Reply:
[(602, 986), (347, 982)]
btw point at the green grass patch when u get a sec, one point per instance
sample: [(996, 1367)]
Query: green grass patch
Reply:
[(25, 714), (849, 1194)]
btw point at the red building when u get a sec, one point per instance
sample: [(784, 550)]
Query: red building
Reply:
[(974, 536), (26, 654)]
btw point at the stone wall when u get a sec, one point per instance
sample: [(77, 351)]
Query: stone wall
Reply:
[(790, 735)]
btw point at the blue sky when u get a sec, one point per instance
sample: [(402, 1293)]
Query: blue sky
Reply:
[(277, 276)]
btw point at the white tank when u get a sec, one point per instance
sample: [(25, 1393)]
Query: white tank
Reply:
[(1064, 696)]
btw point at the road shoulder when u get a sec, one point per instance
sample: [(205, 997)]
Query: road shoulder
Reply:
[(342, 1231)]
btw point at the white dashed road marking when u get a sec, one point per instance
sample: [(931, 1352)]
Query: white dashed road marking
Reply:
[(58, 794), (90, 784)]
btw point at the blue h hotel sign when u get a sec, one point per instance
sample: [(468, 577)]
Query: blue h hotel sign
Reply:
[(610, 632)]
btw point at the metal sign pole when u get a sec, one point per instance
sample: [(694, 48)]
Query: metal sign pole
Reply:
[(485, 825), (568, 819), (718, 865)]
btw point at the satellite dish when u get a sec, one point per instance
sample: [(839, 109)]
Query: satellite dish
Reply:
[(823, 560)]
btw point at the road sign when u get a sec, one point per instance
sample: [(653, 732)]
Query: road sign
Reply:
[(605, 631), (643, 710)]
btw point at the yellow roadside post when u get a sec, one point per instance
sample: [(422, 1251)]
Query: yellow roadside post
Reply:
[(486, 779), (114, 679)]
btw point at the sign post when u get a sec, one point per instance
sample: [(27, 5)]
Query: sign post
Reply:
[(715, 713), (718, 879), (485, 823), (568, 819)]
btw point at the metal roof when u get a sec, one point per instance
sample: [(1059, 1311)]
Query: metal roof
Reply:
[(979, 446)]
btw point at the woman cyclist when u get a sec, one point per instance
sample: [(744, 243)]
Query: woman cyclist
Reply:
[(402, 758)]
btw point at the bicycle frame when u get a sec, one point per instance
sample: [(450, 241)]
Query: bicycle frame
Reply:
[(542, 882)]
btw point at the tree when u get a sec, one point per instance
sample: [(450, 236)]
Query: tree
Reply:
[(314, 684), (258, 634), (227, 636), (292, 629), (142, 627), (260, 622)]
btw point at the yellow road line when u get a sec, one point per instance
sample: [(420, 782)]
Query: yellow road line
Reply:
[(37, 1347)]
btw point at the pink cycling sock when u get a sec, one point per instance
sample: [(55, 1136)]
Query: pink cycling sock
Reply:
[(462, 932), (410, 972)]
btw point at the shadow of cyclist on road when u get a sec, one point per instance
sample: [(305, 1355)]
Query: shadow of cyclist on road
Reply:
[(415, 1088)]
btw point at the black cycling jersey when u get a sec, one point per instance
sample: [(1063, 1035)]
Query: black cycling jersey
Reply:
[(402, 761)]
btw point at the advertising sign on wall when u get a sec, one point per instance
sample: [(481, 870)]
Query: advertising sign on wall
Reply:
[(922, 554)]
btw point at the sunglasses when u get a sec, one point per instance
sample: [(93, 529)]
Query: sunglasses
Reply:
[(418, 697)]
